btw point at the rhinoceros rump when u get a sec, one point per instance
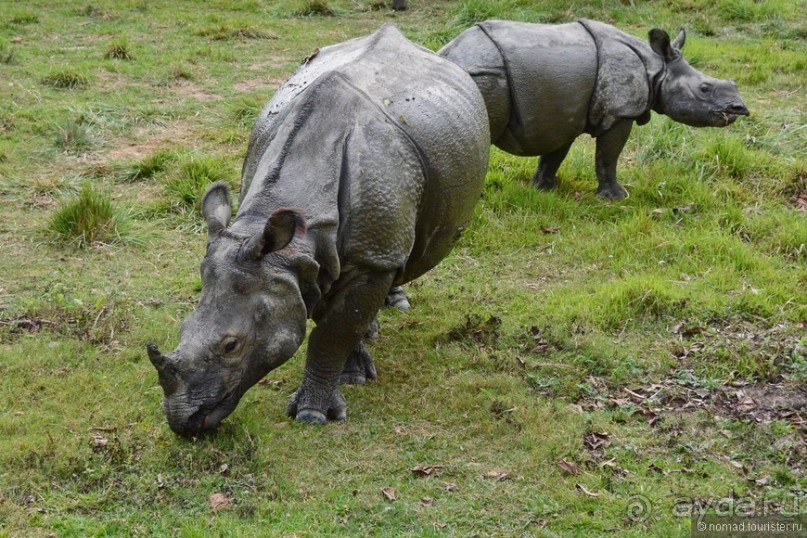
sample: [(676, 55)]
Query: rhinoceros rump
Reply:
[(361, 173), (544, 85)]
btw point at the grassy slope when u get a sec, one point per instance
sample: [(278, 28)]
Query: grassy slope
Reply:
[(520, 345)]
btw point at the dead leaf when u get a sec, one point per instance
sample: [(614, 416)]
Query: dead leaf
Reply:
[(569, 467), (577, 196), (99, 441), (635, 396), (310, 57), (389, 493), (426, 470), (745, 403), (655, 469), (762, 481), (584, 490), (426, 501), (16, 40), (550, 229), (497, 474), (160, 481), (449, 486), (596, 440), (682, 209), (649, 415), (224, 469), (218, 502)]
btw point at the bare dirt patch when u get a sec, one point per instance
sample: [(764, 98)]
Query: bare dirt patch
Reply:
[(149, 140), (186, 88), (271, 83)]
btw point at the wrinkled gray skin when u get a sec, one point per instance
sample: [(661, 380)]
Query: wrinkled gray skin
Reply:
[(544, 85), (361, 173)]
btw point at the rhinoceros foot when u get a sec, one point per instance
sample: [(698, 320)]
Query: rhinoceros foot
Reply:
[(358, 368), (396, 298), (544, 183), (612, 191), (313, 406)]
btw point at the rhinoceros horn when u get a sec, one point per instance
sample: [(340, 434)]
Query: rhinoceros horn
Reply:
[(167, 377)]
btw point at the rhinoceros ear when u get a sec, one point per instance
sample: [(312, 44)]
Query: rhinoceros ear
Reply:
[(660, 43), (217, 207), (680, 39), (278, 232)]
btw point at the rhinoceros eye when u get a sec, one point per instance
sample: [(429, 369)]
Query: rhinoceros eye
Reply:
[(706, 87), (229, 344)]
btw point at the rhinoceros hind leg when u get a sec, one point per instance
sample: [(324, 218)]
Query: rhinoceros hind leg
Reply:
[(396, 298), (546, 176), (358, 368)]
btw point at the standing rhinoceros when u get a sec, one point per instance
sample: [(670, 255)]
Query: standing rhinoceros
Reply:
[(544, 85), (361, 173)]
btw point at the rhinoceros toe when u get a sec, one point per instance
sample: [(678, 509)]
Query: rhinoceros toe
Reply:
[(309, 406), (612, 191), (397, 299), (358, 368)]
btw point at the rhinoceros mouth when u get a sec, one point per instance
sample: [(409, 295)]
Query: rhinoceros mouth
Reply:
[(729, 116), (207, 417)]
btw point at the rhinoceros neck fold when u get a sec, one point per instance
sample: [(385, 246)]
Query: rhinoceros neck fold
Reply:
[(627, 76)]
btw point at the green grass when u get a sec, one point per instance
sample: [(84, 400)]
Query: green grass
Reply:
[(520, 346)]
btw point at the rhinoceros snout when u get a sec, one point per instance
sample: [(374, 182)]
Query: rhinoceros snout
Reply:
[(739, 109)]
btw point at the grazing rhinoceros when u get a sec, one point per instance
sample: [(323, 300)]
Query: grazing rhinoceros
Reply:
[(544, 85), (361, 173)]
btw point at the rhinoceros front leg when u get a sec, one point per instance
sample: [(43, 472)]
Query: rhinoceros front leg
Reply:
[(609, 146), (339, 330), (546, 176)]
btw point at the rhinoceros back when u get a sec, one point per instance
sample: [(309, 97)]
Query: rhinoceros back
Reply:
[(412, 98), (551, 72)]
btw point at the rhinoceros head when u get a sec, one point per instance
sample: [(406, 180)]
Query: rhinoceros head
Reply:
[(250, 319), (689, 96)]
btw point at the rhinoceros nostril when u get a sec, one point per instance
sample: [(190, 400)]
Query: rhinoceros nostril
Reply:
[(738, 109)]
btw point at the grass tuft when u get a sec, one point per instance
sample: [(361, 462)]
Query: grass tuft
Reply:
[(6, 53), (88, 217), (24, 17), (315, 8), (182, 72), (223, 32), (149, 166), (471, 12), (75, 135), (65, 79), (245, 109), (195, 174), (119, 50)]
